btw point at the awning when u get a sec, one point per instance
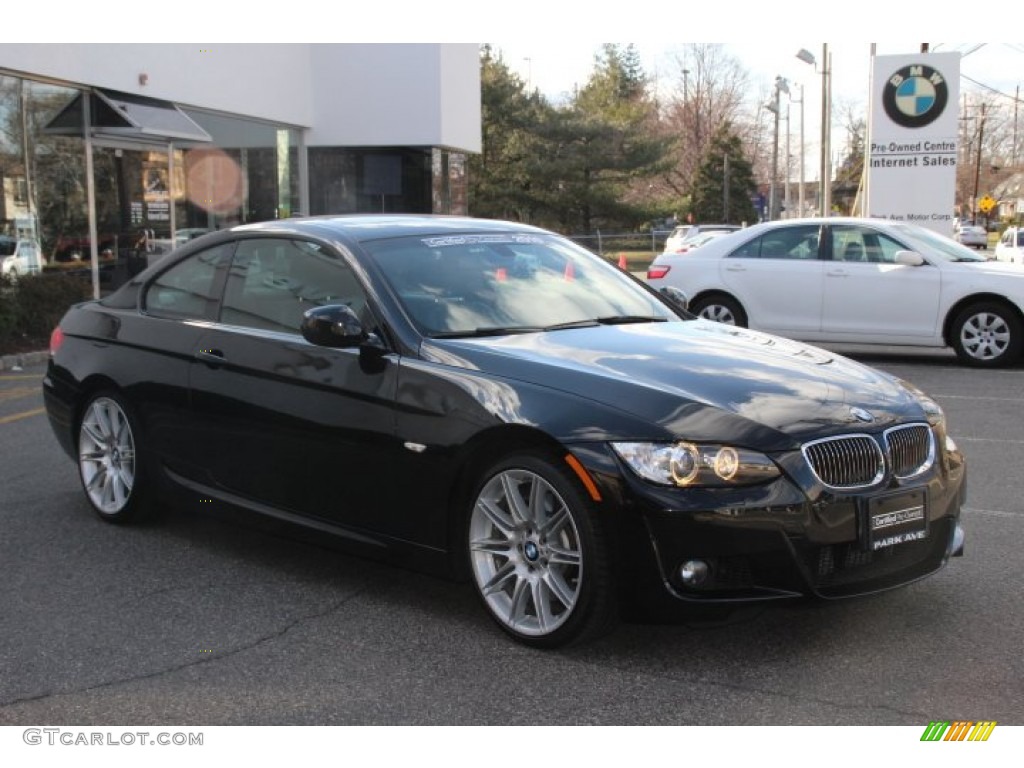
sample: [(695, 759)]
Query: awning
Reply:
[(127, 116)]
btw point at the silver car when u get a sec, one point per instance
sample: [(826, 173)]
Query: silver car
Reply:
[(971, 236)]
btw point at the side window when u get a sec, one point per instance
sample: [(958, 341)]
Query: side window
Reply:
[(861, 244), (189, 288), (272, 282), (800, 242), (848, 244)]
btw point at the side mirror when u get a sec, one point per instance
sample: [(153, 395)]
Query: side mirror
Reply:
[(909, 258), (334, 325), (676, 297)]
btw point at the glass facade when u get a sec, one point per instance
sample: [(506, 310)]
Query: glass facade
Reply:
[(152, 194)]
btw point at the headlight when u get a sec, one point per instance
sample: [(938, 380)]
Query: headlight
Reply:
[(693, 465)]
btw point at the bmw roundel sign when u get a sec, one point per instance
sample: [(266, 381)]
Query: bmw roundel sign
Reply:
[(915, 95)]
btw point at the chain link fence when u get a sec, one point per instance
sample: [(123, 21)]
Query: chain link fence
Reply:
[(610, 244)]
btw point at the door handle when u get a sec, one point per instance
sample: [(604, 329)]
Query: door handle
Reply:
[(736, 268), (838, 273), (212, 357)]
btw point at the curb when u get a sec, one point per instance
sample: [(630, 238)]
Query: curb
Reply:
[(19, 361)]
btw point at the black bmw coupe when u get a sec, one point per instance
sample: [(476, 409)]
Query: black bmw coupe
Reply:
[(490, 400)]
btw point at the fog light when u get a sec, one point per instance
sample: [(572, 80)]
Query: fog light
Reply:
[(694, 572)]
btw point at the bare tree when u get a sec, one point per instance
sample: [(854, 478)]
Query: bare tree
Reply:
[(709, 92)]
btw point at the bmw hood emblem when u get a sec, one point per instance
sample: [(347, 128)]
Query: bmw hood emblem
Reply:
[(861, 415)]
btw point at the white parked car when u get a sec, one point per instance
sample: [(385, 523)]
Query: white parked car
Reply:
[(866, 281), (1011, 246), (681, 241), (20, 257), (673, 240)]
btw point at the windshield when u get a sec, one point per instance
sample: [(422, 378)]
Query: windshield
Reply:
[(934, 246), (464, 285)]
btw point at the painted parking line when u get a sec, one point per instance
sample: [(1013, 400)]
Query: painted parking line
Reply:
[(19, 416), (25, 377), (17, 393)]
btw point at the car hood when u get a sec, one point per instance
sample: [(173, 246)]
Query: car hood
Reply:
[(989, 267), (697, 379)]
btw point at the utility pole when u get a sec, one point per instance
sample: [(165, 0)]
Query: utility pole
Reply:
[(977, 165), (725, 189)]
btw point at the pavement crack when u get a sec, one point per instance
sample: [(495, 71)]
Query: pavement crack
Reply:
[(214, 657)]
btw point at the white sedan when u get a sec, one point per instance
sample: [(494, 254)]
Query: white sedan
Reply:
[(865, 281)]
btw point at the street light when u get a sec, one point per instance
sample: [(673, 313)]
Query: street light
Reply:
[(800, 196), (826, 121), (781, 86)]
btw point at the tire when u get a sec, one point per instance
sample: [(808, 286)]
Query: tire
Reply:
[(110, 459), (539, 562), (721, 309), (987, 335)]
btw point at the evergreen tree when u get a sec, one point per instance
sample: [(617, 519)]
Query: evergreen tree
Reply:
[(502, 177), (599, 144), (709, 190)]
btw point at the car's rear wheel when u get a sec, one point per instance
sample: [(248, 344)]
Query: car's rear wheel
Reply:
[(539, 560), (109, 458), (721, 309), (987, 334)]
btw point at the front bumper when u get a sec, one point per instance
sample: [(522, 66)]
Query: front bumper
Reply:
[(786, 539)]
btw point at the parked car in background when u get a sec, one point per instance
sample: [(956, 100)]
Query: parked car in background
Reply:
[(182, 236), (694, 231), (20, 257), (866, 281), (696, 242), (673, 241), (971, 235), (490, 400), (1011, 246)]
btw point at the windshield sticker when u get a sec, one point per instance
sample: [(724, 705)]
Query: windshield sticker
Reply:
[(449, 240)]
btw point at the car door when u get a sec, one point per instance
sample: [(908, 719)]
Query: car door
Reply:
[(298, 428), (777, 278), (869, 297)]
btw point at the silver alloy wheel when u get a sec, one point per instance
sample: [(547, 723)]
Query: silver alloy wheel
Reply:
[(106, 456), (719, 313), (985, 336), (525, 552)]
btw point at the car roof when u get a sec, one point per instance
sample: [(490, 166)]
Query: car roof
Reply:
[(365, 227)]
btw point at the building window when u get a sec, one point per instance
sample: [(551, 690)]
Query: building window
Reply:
[(376, 180)]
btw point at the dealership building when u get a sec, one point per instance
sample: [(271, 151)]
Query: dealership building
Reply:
[(124, 149)]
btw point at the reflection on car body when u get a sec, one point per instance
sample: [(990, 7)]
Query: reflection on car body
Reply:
[(490, 400)]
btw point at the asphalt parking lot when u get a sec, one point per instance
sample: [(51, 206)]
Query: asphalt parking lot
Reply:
[(200, 619)]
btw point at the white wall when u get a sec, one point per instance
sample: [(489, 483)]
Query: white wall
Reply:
[(414, 94), (271, 82), (383, 94)]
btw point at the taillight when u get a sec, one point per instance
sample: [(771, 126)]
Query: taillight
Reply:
[(56, 340), (657, 271)]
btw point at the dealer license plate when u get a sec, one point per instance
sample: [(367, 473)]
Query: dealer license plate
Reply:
[(897, 519)]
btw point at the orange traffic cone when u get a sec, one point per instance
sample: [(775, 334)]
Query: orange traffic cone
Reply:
[(623, 264)]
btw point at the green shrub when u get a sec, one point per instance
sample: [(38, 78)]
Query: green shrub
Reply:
[(31, 307)]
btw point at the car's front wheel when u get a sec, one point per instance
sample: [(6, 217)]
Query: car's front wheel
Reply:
[(987, 334), (721, 309), (538, 557), (109, 458)]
